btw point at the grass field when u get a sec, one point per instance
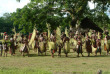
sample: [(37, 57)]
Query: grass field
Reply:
[(58, 65)]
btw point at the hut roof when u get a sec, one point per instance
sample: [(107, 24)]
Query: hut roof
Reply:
[(87, 23)]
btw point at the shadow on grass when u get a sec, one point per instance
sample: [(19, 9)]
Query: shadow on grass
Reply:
[(33, 55), (90, 73), (41, 55), (99, 56), (63, 56)]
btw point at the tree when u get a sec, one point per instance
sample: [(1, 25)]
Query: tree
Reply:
[(6, 24), (39, 12)]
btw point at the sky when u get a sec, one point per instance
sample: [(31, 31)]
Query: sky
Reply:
[(9, 6)]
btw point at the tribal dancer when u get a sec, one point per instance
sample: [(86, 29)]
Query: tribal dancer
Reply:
[(25, 47), (42, 45), (79, 46), (5, 49), (107, 43), (53, 44), (88, 46), (98, 47), (12, 46), (66, 45)]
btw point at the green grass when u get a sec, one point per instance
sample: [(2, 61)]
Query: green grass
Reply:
[(72, 64), (22, 71)]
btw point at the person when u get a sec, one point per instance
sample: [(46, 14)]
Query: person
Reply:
[(79, 46), (25, 48), (1, 48), (60, 45), (5, 49), (22, 39), (42, 45), (107, 43), (88, 46), (41, 38), (66, 44), (99, 72), (45, 41), (16, 42), (36, 43), (98, 47), (12, 46), (6, 37), (30, 35), (53, 40)]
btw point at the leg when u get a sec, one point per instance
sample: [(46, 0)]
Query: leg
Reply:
[(52, 53), (107, 51), (28, 54), (95, 53), (38, 51), (82, 54), (13, 50), (1, 51), (66, 55), (88, 54), (6, 54), (78, 55), (35, 49), (59, 53), (45, 53), (100, 51), (23, 54)]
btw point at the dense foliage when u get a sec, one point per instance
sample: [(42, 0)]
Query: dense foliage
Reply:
[(56, 12), (6, 24)]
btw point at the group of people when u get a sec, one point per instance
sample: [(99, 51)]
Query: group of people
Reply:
[(90, 40)]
